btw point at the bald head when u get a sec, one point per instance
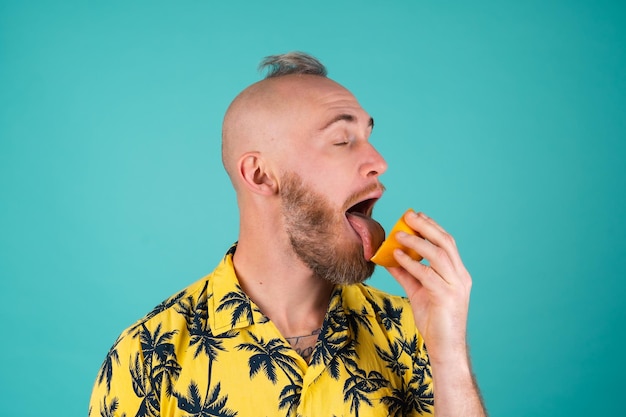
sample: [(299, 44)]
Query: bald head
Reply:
[(266, 115), (263, 117)]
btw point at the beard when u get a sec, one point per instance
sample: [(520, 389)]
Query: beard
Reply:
[(313, 230)]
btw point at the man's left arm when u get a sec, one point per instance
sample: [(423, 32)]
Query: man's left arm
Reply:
[(439, 294)]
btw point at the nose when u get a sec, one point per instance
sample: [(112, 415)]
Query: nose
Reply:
[(374, 164)]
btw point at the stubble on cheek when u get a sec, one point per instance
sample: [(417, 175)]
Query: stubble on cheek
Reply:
[(314, 230)]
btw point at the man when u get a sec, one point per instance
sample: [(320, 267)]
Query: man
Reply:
[(284, 325)]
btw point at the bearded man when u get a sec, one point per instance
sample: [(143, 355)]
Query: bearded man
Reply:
[(284, 325)]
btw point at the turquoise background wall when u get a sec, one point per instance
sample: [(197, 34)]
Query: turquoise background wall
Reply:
[(503, 120)]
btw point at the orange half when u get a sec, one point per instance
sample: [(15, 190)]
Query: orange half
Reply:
[(384, 254)]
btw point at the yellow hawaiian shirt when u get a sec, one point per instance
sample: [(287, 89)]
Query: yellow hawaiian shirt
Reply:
[(209, 351)]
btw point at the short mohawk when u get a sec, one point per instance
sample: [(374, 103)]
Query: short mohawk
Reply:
[(292, 63)]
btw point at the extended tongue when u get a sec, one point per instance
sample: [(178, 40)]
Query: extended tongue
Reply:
[(371, 232)]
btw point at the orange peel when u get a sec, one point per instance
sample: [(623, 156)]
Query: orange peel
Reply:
[(384, 254)]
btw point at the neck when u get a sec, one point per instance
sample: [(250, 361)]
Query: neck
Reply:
[(279, 283)]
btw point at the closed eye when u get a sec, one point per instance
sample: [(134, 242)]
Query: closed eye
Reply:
[(345, 142)]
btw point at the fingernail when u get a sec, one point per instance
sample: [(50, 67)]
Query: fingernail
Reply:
[(401, 235)]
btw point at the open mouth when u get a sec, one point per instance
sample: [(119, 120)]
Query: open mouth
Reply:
[(363, 208), (369, 231)]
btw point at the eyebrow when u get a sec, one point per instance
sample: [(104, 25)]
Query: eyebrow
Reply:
[(345, 117)]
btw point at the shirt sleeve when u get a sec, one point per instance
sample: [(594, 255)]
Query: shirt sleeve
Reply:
[(121, 388), (421, 382)]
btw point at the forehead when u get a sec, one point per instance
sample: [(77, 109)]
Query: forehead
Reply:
[(322, 100)]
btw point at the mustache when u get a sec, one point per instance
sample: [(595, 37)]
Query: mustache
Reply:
[(363, 194)]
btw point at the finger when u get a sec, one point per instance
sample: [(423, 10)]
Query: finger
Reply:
[(428, 219), (430, 230), (433, 232), (415, 276), (415, 283), (437, 257), (408, 282)]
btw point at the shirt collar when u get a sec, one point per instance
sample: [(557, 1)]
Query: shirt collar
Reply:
[(231, 308)]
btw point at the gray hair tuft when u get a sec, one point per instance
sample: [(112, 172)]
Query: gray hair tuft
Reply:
[(292, 63)]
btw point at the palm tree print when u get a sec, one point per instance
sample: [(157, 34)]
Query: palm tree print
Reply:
[(392, 358), (405, 402), (149, 406), (396, 403), (106, 370), (165, 305), (201, 336), (334, 338), (196, 315), (359, 386), (195, 312), (241, 304), (421, 397), (269, 357), (421, 366), (174, 361), (214, 405), (358, 321), (109, 411), (160, 356), (290, 398), (391, 316)]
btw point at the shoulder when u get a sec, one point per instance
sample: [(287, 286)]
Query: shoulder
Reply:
[(182, 312), (387, 308), (376, 298), (171, 316), (381, 297)]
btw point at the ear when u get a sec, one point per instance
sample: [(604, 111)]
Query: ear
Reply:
[(256, 175)]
